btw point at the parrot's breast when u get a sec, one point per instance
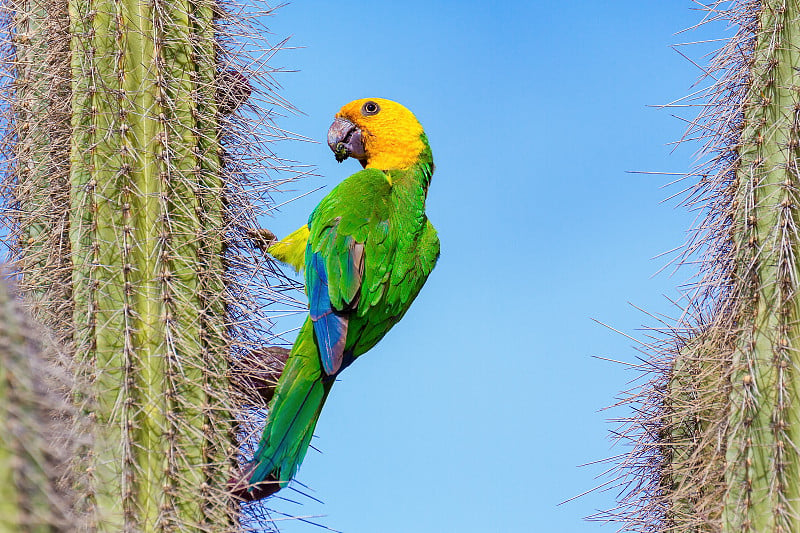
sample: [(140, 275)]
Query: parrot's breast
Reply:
[(397, 268)]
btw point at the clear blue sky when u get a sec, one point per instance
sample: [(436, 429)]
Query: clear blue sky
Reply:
[(475, 412)]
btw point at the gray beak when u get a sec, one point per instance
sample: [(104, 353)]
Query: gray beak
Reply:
[(345, 139)]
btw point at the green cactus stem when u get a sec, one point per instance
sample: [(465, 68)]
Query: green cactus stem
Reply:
[(38, 152), (762, 475), (147, 237)]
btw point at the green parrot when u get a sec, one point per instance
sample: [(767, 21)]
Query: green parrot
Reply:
[(366, 251)]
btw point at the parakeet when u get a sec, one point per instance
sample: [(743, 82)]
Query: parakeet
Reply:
[(366, 251)]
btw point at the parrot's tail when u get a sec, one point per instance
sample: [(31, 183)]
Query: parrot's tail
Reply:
[(293, 413)]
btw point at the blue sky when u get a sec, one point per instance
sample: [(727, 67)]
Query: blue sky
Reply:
[(475, 412)]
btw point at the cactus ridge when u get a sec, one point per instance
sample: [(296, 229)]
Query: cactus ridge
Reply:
[(128, 194)]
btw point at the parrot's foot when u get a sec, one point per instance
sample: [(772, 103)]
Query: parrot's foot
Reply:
[(256, 374), (239, 485), (233, 90), (263, 238)]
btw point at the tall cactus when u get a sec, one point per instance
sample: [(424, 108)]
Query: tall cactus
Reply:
[(129, 192), (724, 405), (147, 243)]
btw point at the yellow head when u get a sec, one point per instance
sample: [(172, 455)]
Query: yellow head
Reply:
[(378, 132)]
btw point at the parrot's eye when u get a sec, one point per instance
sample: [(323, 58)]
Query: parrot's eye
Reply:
[(370, 108)]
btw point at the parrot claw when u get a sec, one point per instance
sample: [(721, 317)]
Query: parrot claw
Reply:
[(239, 485), (233, 89), (262, 237)]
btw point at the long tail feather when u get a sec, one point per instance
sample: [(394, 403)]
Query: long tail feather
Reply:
[(293, 412)]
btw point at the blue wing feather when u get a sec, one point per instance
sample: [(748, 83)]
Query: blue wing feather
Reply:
[(335, 257), (330, 327)]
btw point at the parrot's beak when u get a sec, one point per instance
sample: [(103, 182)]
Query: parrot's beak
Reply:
[(345, 140)]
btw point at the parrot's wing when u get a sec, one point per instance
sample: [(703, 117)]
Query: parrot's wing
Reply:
[(340, 230), (330, 324)]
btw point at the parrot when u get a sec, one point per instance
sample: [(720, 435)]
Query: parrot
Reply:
[(365, 253)]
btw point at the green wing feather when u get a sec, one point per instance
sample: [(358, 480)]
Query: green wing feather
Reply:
[(348, 230)]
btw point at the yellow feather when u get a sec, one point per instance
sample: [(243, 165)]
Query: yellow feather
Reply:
[(292, 249)]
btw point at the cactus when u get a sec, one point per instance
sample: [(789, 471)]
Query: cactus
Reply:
[(715, 441), (37, 153), (146, 233), (129, 191), (39, 437)]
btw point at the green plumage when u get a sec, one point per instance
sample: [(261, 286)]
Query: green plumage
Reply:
[(370, 249), (293, 411)]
